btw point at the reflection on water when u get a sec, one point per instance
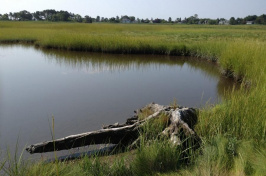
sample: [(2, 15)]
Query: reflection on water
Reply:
[(113, 62), (96, 63), (85, 90)]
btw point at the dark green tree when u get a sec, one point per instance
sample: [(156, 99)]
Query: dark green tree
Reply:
[(112, 20), (77, 18), (4, 17), (232, 21), (16, 15), (169, 20), (117, 19), (261, 19), (48, 14), (132, 18), (212, 22), (38, 15), (87, 19), (146, 20), (24, 15), (64, 16), (98, 19), (157, 20), (250, 18)]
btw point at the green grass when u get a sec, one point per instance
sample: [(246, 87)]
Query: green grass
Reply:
[(233, 132)]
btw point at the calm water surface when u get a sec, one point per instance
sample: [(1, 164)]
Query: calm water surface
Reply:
[(83, 91)]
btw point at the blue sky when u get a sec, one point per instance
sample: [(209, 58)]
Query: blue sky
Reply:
[(143, 8)]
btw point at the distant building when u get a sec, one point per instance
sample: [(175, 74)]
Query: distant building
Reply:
[(224, 22), (250, 22), (125, 19)]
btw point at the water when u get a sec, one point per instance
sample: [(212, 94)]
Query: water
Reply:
[(83, 91)]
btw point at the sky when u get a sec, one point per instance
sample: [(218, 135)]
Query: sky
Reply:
[(143, 8)]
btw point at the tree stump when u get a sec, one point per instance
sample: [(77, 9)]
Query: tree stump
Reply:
[(179, 130)]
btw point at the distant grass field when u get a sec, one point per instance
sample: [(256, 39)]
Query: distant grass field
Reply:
[(233, 132)]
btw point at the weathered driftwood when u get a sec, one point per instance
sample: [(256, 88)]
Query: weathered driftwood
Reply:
[(180, 128)]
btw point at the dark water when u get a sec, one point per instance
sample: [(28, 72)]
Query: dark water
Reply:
[(83, 91)]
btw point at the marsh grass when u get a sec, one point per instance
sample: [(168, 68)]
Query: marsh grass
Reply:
[(157, 156), (154, 127), (13, 164), (233, 132), (95, 167)]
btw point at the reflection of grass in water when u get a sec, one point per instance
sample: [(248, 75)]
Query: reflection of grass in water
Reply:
[(117, 62), (233, 131)]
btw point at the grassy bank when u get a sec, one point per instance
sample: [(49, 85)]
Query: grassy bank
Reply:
[(233, 132)]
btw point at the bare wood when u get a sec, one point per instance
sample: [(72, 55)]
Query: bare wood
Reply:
[(181, 119), (112, 136)]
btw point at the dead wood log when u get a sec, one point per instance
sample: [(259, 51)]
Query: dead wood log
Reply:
[(181, 126), (104, 136)]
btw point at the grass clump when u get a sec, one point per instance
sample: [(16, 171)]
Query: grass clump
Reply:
[(241, 116), (94, 167), (157, 156)]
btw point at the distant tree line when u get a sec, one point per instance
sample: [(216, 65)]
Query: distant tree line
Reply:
[(251, 18), (56, 16), (45, 15)]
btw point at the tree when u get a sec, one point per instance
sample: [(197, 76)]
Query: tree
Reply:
[(112, 20), (98, 19), (212, 22), (191, 20), (178, 20), (4, 17), (261, 19), (132, 18), (157, 20), (184, 20), (24, 15), (202, 21), (251, 18), (11, 16), (38, 15), (64, 16), (48, 14), (240, 21), (88, 19), (78, 18), (16, 16), (169, 20), (232, 21), (146, 20)]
